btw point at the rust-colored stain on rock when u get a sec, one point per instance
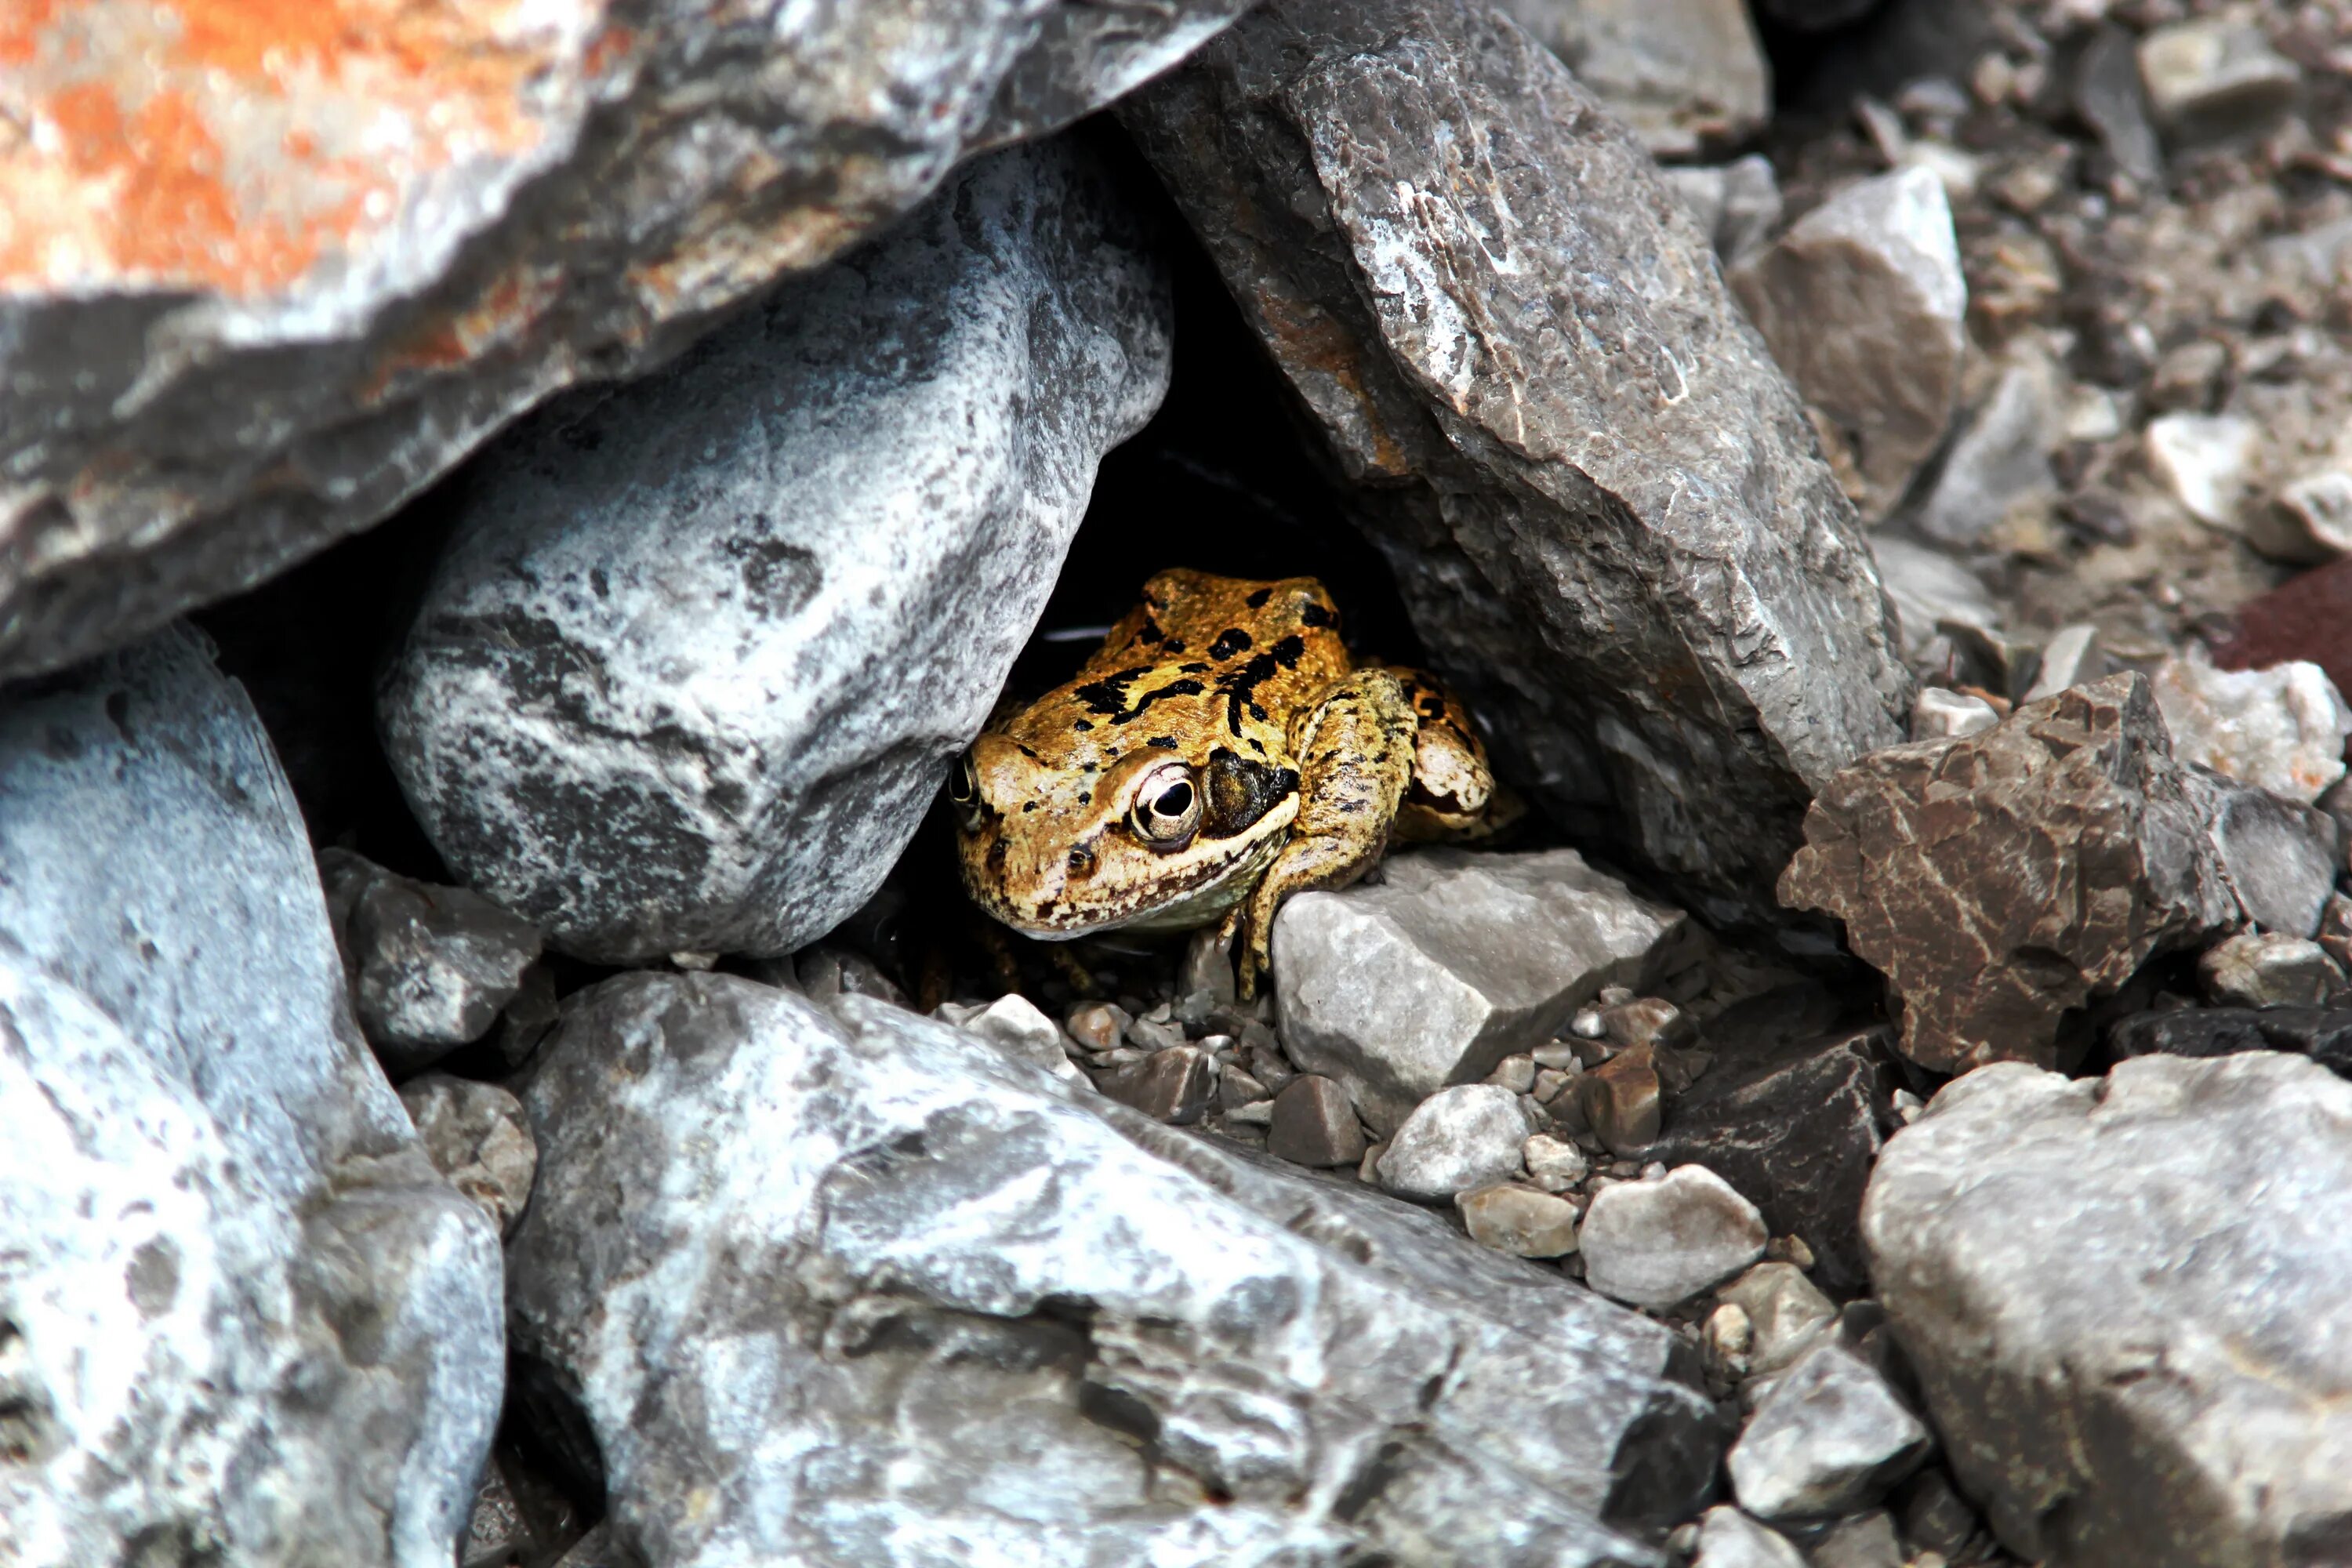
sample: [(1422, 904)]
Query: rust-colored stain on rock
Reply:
[(231, 146), (2307, 617)]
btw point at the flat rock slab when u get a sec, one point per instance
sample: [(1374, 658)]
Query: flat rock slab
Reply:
[(241, 1318), (314, 266), (2001, 880), (2125, 1302), (1454, 959), (1603, 504), (864, 1236), (691, 669), (2323, 1034)]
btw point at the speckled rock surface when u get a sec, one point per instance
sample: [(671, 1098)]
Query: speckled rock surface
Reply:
[(691, 669), (1603, 504), (2280, 729), (856, 1292), (264, 278), (2158, 1369), (241, 1318), (1683, 75)]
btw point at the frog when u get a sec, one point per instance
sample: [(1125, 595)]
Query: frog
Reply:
[(1220, 751)]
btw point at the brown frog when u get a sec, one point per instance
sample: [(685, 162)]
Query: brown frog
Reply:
[(1219, 753)]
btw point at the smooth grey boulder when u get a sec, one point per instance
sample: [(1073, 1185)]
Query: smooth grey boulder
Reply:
[(1654, 1243), (1459, 1138), (2123, 1301), (429, 968), (1454, 959), (691, 669), (1829, 1438), (1604, 507), (881, 1294), (381, 244), (241, 1318), (1683, 75)]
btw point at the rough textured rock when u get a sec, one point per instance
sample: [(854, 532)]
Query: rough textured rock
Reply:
[(317, 263), (1605, 509), (1171, 1085), (2000, 879), (2280, 729), (1738, 205), (1466, 1136), (1013, 1022), (659, 703), (2281, 857), (968, 1287), (1863, 304), (1796, 1131), (2323, 1034), (1999, 460), (1518, 1220), (1729, 1538), (2214, 77), (2269, 969), (1683, 75), (1864, 1541), (1928, 587), (1940, 715), (429, 967), (1659, 1242), (1313, 1124), (241, 1318), (1452, 961), (476, 1136), (2154, 1370), (1785, 1312), (1831, 1437)]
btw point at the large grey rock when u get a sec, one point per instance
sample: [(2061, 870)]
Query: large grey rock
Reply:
[(1683, 75), (1605, 508), (241, 1318), (690, 670), (1829, 1438), (317, 265), (883, 1295), (1452, 961), (2124, 1301)]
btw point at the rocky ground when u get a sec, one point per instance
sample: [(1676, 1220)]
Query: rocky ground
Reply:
[(496, 1060)]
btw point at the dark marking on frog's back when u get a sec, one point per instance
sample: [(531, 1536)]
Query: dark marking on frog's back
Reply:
[(1230, 641), (1316, 615), (1257, 601)]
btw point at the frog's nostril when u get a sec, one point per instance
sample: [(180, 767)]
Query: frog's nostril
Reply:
[(1081, 860)]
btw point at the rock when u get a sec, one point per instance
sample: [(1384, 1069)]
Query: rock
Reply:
[(430, 968), (1172, 1086), (1098, 1025), (1517, 1074), (2280, 857), (1656, 1243), (1935, 1516), (2211, 78), (2001, 880), (2335, 930), (1624, 1101), (1012, 1022), (2323, 1034), (1866, 1540), (2202, 459), (376, 245), (1831, 1437), (2072, 657), (1454, 960), (1729, 1538), (2000, 459), (1238, 1092), (1518, 1220), (824, 974), (1466, 1136), (1605, 511), (1683, 75), (1817, 15), (2269, 969), (1785, 1314), (2308, 520), (657, 704), (2309, 619), (1862, 302), (2107, 94), (476, 1136), (1928, 588), (1647, 1021), (1553, 1165), (2280, 729), (1314, 1124), (241, 1318), (895, 1292), (2146, 1349), (1941, 715), (1738, 205)]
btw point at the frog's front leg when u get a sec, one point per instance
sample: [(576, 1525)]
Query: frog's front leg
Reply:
[(1354, 753)]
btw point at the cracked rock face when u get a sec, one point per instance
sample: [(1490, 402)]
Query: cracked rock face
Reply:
[(880, 1294), (318, 267), (1999, 879), (241, 1318), (2158, 1368), (1603, 504), (692, 666)]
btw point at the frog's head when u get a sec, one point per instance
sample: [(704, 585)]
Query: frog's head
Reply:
[(1151, 838)]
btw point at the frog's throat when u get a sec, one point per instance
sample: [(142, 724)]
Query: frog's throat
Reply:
[(1204, 902)]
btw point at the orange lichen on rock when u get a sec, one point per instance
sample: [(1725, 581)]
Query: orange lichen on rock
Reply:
[(230, 146)]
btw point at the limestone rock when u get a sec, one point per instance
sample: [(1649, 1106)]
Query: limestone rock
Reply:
[(1655, 1242), (2269, 969), (1171, 1085), (2214, 77), (2281, 857), (1605, 509), (692, 668), (2000, 459), (241, 334), (2123, 1301), (1452, 961), (1683, 75), (2002, 878), (241, 1318), (1738, 205), (1941, 715), (1830, 1439), (876, 1229), (1518, 1220), (476, 1136), (2203, 459), (1785, 1311), (1863, 304), (2281, 729), (1729, 1538), (1466, 1136), (1013, 1022), (1928, 587)]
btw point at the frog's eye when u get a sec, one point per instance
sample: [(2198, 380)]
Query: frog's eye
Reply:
[(963, 791), (1167, 810)]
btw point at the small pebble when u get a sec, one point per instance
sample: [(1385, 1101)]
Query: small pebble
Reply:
[(1553, 1165), (1312, 1123), (1517, 1074), (1459, 1138), (1549, 1082), (1655, 1242), (1558, 1057), (1098, 1025), (1518, 1220)]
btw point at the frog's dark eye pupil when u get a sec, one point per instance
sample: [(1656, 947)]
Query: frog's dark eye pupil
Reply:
[(1174, 801), (1166, 810)]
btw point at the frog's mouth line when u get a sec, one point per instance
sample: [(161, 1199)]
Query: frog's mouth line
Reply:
[(1181, 895)]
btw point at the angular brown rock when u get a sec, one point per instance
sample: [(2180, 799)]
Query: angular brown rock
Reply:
[(1172, 1086), (1314, 1124), (1606, 510), (2002, 879), (1621, 1099)]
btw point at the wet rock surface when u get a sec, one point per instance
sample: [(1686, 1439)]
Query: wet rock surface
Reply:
[(657, 706), (207, 1182)]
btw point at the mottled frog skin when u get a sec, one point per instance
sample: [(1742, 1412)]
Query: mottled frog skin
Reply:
[(1219, 753)]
